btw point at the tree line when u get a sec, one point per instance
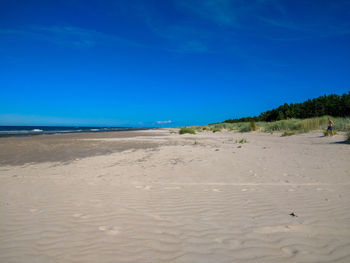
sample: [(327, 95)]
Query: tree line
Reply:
[(333, 105)]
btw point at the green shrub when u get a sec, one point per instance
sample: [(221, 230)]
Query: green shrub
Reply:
[(281, 125), (252, 126), (216, 129), (244, 127), (186, 130), (329, 133), (288, 133), (198, 128), (307, 125), (243, 140), (348, 139)]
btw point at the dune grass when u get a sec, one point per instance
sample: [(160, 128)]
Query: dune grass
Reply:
[(185, 130), (329, 133), (252, 126), (216, 129), (243, 140), (295, 126), (288, 133)]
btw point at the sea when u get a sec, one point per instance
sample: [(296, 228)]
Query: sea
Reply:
[(37, 130)]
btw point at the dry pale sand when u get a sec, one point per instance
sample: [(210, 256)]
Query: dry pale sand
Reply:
[(168, 198)]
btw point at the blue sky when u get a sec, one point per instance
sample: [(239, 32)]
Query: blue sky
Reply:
[(167, 62)]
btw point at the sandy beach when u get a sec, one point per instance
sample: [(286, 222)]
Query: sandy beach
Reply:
[(156, 196)]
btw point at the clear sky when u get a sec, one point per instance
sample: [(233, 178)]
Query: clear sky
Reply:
[(167, 62)]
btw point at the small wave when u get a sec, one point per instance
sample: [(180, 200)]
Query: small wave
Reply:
[(94, 129), (37, 130)]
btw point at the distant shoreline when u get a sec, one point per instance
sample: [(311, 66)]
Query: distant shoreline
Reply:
[(21, 131)]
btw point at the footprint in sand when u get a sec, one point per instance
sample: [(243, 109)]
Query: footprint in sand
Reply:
[(81, 216), (109, 230), (77, 215), (244, 189), (145, 187), (216, 190), (218, 240), (172, 188), (289, 251), (234, 244), (157, 217), (34, 210)]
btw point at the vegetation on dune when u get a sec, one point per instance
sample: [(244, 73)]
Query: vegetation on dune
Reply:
[(252, 126), (329, 133), (291, 125), (333, 105), (291, 119), (243, 140), (288, 133), (187, 130), (216, 129)]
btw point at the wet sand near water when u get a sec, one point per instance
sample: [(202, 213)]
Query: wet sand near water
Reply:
[(66, 147)]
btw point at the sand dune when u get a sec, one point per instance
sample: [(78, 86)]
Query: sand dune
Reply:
[(191, 198)]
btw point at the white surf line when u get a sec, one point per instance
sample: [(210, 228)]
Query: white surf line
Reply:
[(252, 184)]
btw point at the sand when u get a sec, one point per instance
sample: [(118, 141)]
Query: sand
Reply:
[(153, 196)]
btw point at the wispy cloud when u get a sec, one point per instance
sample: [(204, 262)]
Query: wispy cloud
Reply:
[(70, 36), (164, 122), (206, 26), (308, 30), (180, 38), (188, 40), (217, 11), (271, 20)]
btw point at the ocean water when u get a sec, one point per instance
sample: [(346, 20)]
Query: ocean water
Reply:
[(36, 130)]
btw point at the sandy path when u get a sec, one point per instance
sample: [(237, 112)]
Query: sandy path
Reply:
[(202, 198)]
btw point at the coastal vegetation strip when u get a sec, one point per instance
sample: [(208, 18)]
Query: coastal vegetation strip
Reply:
[(291, 119), (292, 126), (333, 105), (287, 127)]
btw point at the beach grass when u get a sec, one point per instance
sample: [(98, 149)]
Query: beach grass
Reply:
[(291, 125), (216, 129), (252, 126), (329, 133), (288, 133), (188, 130), (243, 140)]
